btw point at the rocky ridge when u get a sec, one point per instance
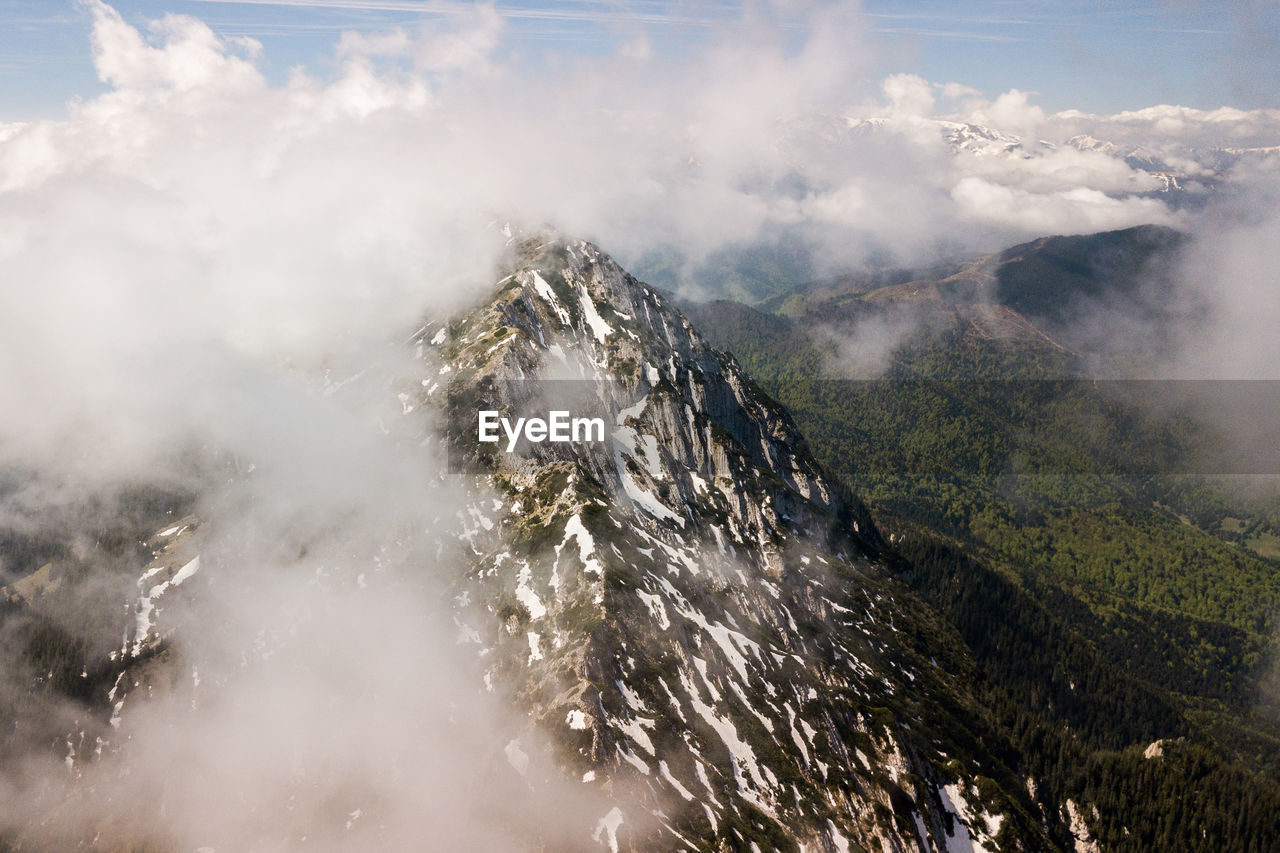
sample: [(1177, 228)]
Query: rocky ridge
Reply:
[(693, 609)]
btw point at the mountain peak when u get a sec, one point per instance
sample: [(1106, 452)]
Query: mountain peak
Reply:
[(696, 568)]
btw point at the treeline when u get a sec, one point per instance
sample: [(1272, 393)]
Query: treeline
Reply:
[(1079, 720)]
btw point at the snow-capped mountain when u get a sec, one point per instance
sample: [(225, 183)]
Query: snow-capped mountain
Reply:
[(708, 630), (1137, 156), (1212, 159), (692, 608), (1180, 174), (959, 136), (979, 140)]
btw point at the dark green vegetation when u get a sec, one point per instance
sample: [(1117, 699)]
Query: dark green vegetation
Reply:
[(53, 645), (1111, 596), (1056, 279), (94, 527)]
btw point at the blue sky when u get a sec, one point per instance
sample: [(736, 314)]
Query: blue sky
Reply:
[(1093, 56)]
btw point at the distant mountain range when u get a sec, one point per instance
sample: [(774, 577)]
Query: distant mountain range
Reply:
[(1185, 174)]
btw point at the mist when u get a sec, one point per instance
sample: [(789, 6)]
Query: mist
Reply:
[(1229, 273), (194, 262)]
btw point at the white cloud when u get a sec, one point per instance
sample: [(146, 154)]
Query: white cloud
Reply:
[(197, 211), (1072, 211), (957, 91), (191, 56), (1166, 124), (1065, 168), (394, 42), (466, 46), (1011, 112), (1229, 273), (908, 94)]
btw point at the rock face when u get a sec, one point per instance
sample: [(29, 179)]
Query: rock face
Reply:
[(703, 622)]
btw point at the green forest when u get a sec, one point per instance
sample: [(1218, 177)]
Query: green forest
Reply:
[(1114, 594)]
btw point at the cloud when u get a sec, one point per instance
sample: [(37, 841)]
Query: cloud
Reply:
[(697, 152), (1081, 209), (313, 693), (1229, 272), (190, 56), (179, 238), (956, 91), (865, 347), (908, 94), (462, 42), (185, 257), (1167, 124), (1013, 113)]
